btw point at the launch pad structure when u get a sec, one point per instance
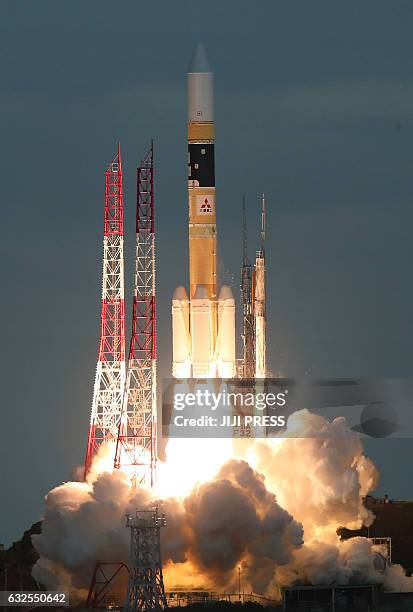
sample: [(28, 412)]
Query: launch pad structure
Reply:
[(146, 589), (104, 575)]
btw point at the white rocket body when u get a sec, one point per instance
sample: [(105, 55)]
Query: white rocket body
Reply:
[(203, 323)]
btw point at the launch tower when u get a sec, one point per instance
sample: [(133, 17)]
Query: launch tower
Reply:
[(253, 302), (248, 326), (136, 448), (110, 371), (260, 303)]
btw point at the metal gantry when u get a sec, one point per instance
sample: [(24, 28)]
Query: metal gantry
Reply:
[(103, 591), (136, 450), (146, 589), (260, 303), (111, 369), (248, 326)]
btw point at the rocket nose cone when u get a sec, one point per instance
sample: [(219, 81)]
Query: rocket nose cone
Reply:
[(180, 294), (199, 61), (225, 293), (201, 293)]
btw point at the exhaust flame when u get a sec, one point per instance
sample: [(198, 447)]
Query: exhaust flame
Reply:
[(190, 461)]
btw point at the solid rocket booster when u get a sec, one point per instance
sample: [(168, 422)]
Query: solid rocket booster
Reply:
[(203, 322), (181, 338), (225, 349)]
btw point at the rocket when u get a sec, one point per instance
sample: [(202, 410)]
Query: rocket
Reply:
[(203, 322)]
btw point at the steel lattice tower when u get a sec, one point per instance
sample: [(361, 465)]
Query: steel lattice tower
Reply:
[(110, 371), (259, 303), (145, 590), (248, 328), (136, 449)]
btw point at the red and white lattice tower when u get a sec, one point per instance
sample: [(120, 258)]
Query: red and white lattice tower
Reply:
[(111, 368), (136, 449)]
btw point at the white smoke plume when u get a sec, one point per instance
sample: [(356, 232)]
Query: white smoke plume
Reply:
[(272, 508), (320, 480), (221, 522)]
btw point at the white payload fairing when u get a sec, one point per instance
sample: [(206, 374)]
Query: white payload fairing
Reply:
[(203, 322)]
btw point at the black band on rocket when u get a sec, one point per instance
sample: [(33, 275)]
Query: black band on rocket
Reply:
[(201, 166)]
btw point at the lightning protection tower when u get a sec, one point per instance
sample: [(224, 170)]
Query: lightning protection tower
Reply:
[(136, 448), (248, 325), (259, 303), (110, 371), (145, 590)]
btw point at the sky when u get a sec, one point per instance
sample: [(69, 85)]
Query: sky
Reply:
[(314, 106)]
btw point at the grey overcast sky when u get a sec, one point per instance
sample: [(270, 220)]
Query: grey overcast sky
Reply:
[(314, 105)]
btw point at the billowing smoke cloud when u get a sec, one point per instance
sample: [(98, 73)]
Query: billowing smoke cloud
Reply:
[(354, 561), (320, 480), (220, 523), (272, 509), (235, 517)]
